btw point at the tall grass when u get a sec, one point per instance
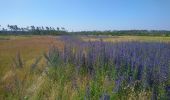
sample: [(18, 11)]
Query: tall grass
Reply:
[(95, 70), (144, 66)]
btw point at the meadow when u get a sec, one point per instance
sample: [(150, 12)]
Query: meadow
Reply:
[(85, 67)]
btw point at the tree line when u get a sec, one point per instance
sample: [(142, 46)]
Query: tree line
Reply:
[(32, 30), (125, 32), (46, 30)]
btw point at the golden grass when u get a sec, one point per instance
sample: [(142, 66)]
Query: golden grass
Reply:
[(128, 38), (29, 48)]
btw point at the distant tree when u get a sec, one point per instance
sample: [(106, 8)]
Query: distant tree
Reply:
[(22, 29), (47, 28), (3, 29), (27, 28), (63, 29), (9, 26), (15, 27), (38, 28), (58, 29), (32, 28)]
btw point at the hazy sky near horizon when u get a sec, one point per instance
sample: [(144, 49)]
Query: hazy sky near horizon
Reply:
[(80, 15)]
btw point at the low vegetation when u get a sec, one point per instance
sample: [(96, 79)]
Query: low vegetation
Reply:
[(94, 70)]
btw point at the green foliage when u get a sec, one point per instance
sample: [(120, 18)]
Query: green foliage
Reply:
[(63, 81)]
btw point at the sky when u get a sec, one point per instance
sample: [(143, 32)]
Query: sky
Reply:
[(85, 15)]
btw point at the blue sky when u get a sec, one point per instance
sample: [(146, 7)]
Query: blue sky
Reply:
[(88, 14)]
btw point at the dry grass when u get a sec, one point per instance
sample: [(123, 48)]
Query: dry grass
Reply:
[(127, 38), (29, 48)]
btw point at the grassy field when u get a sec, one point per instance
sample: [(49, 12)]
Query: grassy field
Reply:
[(25, 71), (127, 38), (29, 47)]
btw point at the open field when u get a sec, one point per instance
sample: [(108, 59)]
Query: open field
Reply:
[(29, 47), (85, 50), (74, 68), (127, 38)]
